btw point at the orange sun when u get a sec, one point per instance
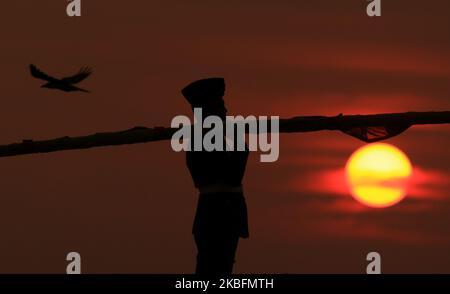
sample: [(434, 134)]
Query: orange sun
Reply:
[(378, 174)]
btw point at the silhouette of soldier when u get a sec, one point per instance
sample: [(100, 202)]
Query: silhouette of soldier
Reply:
[(221, 215)]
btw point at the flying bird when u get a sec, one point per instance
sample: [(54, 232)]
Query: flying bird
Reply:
[(65, 84)]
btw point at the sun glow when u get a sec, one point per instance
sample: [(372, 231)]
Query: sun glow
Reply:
[(378, 175)]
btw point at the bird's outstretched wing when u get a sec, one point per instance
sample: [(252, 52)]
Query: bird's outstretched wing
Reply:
[(35, 72), (81, 75)]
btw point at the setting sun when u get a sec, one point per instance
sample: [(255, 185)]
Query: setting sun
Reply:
[(378, 174)]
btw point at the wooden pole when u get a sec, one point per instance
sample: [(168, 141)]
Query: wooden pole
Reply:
[(292, 125)]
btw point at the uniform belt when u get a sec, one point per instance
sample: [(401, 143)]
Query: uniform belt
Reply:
[(220, 189)]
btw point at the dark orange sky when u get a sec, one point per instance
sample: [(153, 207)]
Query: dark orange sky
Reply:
[(130, 209)]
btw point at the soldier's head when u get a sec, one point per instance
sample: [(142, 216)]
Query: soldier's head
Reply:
[(208, 95)]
